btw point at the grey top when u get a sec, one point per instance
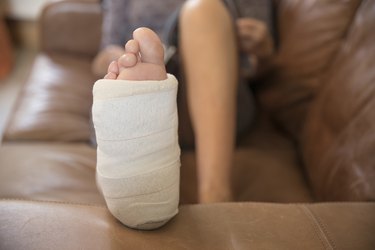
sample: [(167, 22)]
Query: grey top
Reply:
[(121, 17)]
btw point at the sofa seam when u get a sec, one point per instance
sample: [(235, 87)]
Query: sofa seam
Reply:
[(323, 226), (54, 202), (320, 233)]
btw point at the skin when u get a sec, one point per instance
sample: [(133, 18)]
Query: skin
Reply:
[(143, 59), (207, 37)]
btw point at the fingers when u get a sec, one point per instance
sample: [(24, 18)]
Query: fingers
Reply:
[(113, 52), (251, 34)]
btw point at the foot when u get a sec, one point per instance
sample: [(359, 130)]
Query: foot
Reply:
[(143, 59)]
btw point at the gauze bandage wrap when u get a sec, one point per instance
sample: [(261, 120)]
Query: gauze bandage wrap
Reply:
[(138, 156)]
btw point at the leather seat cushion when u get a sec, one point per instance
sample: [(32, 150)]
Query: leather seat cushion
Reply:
[(39, 225), (55, 104), (49, 172)]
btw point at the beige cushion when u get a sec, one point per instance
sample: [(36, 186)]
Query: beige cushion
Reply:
[(50, 172), (56, 101)]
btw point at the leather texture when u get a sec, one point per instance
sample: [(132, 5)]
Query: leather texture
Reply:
[(339, 136), (219, 226), (6, 49), (55, 104), (313, 141), (319, 91), (49, 172), (73, 29), (310, 33)]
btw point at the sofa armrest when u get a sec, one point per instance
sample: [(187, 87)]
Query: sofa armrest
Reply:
[(40, 225), (71, 27)]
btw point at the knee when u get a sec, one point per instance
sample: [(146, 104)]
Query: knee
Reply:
[(201, 12)]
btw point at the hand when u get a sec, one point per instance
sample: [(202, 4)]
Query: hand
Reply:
[(254, 37), (105, 57)]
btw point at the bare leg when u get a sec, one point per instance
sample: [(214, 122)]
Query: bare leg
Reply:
[(209, 53)]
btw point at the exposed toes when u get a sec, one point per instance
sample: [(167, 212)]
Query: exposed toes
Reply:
[(150, 46), (113, 67), (132, 46), (143, 58), (110, 76), (127, 60), (113, 71)]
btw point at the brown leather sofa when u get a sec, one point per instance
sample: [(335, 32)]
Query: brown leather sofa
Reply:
[(6, 49), (304, 177)]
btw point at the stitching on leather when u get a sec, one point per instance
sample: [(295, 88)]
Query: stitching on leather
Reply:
[(323, 227), (319, 232), (54, 202)]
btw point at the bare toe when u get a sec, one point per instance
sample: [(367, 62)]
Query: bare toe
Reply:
[(127, 60), (113, 68), (112, 71), (143, 58), (132, 46), (150, 46), (110, 76)]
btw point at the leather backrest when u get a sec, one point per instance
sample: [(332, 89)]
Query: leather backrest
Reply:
[(310, 33), (339, 135), (71, 27), (321, 92), (6, 50)]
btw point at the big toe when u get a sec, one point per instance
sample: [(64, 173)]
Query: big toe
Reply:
[(151, 48)]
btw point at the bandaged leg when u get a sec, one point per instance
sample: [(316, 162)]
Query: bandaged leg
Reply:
[(138, 156), (135, 118)]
